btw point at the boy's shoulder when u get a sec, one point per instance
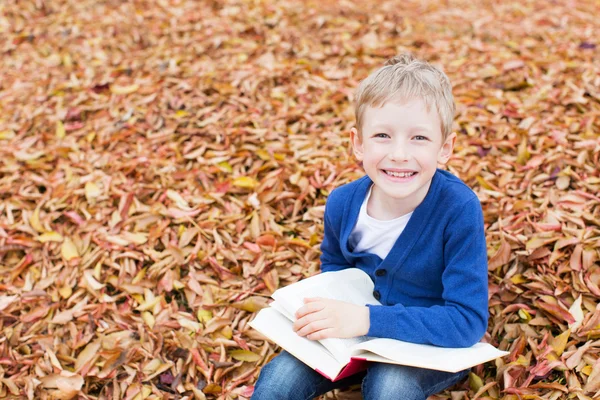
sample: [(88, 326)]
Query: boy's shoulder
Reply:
[(454, 190)]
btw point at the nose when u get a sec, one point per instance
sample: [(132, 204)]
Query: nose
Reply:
[(398, 152)]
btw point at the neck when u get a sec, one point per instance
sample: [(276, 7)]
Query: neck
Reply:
[(383, 207)]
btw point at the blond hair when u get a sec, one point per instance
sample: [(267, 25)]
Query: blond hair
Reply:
[(407, 78)]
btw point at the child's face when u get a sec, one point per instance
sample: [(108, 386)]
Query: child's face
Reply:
[(400, 147)]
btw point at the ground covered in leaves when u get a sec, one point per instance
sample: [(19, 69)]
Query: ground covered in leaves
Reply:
[(164, 167)]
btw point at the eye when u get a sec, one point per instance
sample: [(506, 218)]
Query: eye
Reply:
[(381, 135), (421, 137)]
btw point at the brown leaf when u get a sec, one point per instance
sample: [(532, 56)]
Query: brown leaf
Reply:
[(501, 257)]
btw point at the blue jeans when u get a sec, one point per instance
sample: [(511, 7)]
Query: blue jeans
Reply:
[(286, 377)]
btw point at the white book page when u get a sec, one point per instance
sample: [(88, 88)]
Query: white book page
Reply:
[(278, 329), (351, 285), (425, 356), (282, 310)]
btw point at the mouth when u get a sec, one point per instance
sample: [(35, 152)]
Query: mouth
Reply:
[(396, 174)]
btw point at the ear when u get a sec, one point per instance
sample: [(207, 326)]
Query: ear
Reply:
[(357, 144), (447, 148)]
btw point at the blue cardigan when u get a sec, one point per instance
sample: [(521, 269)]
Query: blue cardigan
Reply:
[(433, 284)]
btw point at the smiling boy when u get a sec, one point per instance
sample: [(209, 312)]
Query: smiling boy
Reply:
[(415, 229)]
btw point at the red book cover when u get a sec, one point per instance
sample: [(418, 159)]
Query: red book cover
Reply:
[(355, 365)]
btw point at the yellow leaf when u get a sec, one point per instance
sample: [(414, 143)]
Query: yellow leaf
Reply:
[(483, 183), (244, 355), (65, 291), (263, 154), (146, 391), (227, 332), (87, 355), (67, 60), (7, 135), (34, 220), (68, 250), (92, 191), (212, 388), (148, 304), (251, 304), (559, 343), (523, 153), (148, 319), (124, 89), (138, 297), (204, 315), (523, 314), (151, 366), (475, 382), (225, 166), (517, 279), (587, 370), (299, 242), (50, 237), (60, 130), (245, 182), (178, 285), (534, 243), (139, 276)]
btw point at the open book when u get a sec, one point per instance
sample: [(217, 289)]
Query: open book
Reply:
[(338, 358)]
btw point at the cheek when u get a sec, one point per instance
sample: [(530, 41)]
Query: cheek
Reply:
[(374, 152), (372, 159)]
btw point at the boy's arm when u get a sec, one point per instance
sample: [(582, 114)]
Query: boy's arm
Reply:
[(462, 320), (332, 258)]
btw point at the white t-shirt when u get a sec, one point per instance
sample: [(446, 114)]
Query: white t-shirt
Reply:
[(375, 236)]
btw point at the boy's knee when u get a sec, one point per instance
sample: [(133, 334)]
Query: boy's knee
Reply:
[(390, 381), (281, 378)]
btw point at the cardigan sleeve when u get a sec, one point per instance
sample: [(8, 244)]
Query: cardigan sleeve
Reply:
[(332, 258), (461, 321)]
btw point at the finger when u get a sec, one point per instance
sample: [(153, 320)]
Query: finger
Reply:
[(307, 319), (311, 299), (308, 309), (313, 327), (322, 334)]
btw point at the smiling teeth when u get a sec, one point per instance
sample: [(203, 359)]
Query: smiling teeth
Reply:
[(400, 174)]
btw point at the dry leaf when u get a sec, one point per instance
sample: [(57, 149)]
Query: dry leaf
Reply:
[(171, 177), (244, 355)]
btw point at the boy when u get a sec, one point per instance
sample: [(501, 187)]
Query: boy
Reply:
[(415, 229)]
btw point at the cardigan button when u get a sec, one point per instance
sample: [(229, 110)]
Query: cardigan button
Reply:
[(380, 272), (376, 294)]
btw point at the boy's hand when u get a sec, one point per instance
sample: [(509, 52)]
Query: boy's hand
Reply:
[(321, 318)]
